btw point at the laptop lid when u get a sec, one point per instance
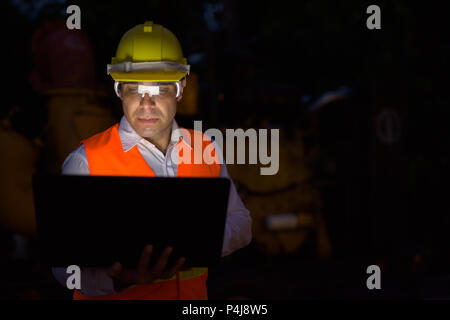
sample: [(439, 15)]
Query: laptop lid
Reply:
[(93, 221)]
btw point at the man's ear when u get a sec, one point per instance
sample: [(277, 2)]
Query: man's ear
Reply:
[(117, 89), (183, 84)]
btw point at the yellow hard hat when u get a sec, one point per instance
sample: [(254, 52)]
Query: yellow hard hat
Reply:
[(148, 52)]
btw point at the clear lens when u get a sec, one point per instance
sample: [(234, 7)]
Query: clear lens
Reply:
[(156, 90)]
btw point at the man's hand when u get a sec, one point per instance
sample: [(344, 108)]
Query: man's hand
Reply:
[(143, 274)]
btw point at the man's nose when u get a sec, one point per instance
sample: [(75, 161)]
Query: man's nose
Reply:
[(146, 99)]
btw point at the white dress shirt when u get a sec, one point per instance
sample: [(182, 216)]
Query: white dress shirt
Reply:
[(95, 281)]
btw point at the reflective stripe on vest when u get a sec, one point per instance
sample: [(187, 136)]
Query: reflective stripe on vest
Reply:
[(106, 156)]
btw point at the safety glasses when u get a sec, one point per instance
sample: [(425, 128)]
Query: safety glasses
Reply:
[(155, 90)]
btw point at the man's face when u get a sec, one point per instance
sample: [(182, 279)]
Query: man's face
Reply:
[(150, 116)]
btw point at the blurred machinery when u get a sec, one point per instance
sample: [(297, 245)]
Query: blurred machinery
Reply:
[(16, 168), (63, 75), (189, 105), (286, 207)]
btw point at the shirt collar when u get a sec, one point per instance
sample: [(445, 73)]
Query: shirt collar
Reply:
[(130, 138)]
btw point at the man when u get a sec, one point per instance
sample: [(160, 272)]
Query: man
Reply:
[(149, 72)]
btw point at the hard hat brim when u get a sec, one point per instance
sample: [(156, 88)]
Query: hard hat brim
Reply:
[(150, 75)]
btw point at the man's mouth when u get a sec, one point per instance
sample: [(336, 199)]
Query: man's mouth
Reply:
[(148, 120)]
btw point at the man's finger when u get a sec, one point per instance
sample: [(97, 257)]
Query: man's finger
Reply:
[(162, 261), (115, 270), (169, 273), (145, 259)]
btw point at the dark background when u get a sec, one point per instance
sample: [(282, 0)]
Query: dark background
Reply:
[(264, 64)]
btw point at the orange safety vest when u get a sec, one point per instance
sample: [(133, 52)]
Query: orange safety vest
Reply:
[(105, 156)]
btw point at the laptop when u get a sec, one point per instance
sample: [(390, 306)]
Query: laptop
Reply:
[(94, 221)]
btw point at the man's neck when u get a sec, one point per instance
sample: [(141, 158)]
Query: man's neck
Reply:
[(162, 141)]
